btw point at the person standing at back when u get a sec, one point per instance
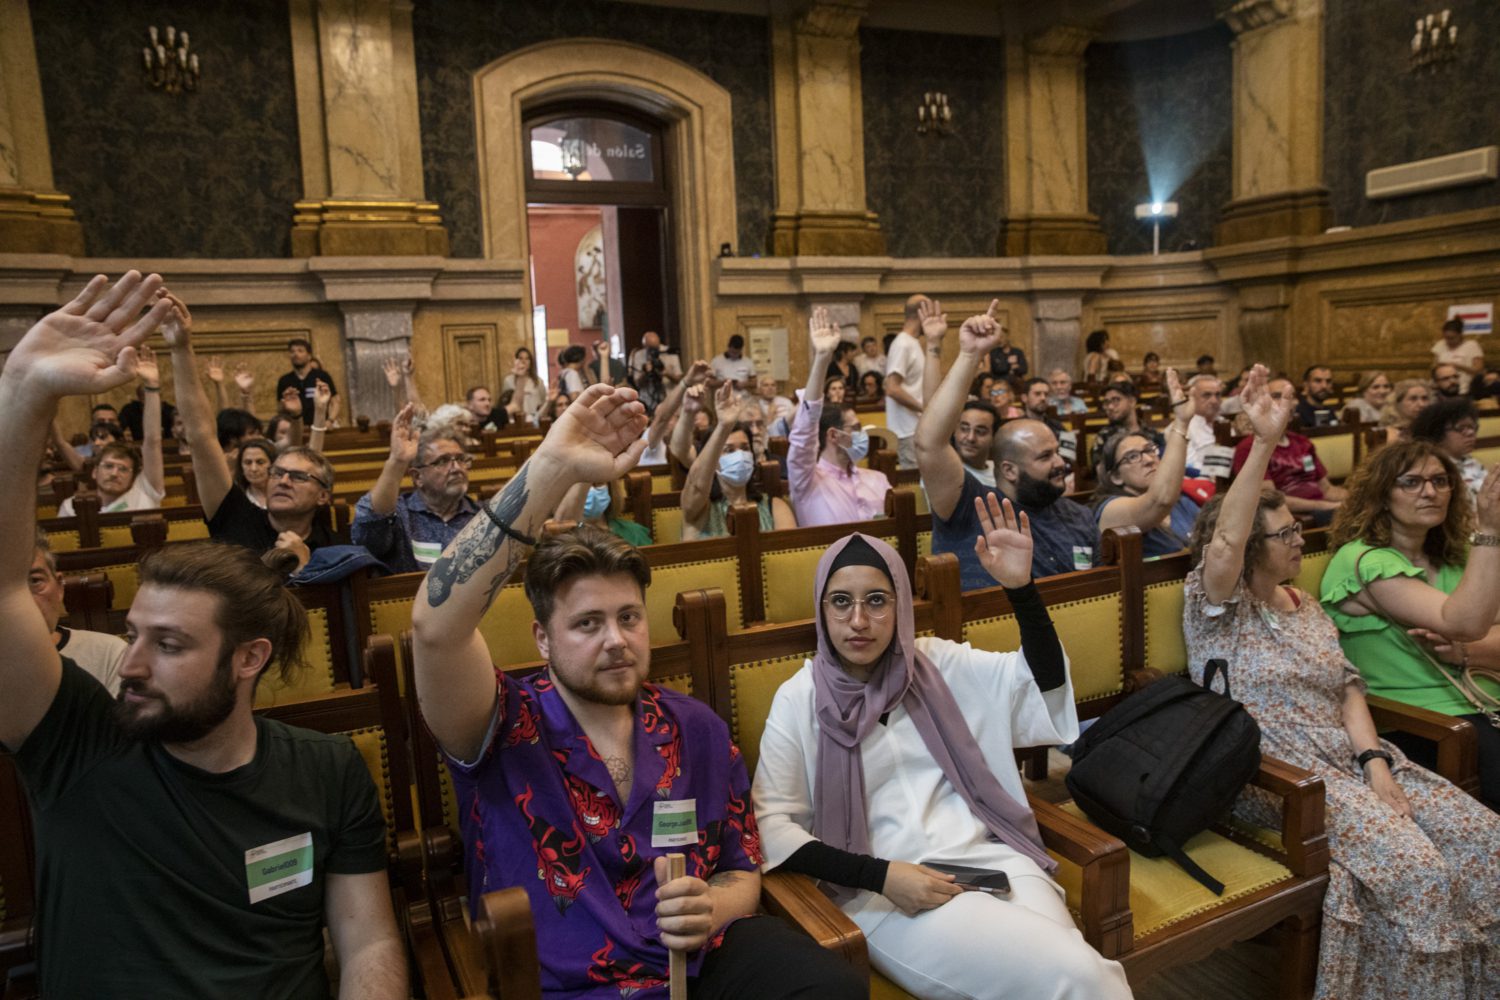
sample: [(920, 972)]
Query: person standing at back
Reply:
[(303, 377), (904, 367)]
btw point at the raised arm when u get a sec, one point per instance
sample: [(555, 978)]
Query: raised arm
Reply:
[(65, 449), (681, 444), (596, 439), (601, 352), (700, 477), (404, 438), (209, 466), (151, 462), (323, 399), (672, 402), (824, 337), (935, 327), (941, 469), (1224, 558), (244, 383), (392, 369), (87, 346), (1147, 510), (215, 372)]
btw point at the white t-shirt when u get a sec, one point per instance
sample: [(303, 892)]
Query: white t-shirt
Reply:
[(572, 382), (740, 370), (914, 812), (864, 364), (1464, 356), (99, 653), (907, 360), (140, 496)]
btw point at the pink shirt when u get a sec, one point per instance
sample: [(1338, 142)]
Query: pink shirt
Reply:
[(822, 492)]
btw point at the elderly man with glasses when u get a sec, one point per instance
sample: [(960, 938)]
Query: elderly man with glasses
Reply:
[(408, 531)]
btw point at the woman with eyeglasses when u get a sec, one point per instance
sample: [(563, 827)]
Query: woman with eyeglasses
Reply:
[(1413, 905), (887, 753), (1137, 486), (1453, 426)]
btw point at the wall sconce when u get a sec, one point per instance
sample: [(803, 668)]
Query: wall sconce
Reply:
[(934, 116), (1156, 212), (1436, 42), (169, 66)]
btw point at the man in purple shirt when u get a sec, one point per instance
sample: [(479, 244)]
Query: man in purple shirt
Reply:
[(826, 486), (579, 780)]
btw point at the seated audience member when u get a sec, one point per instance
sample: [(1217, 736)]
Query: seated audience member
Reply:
[(905, 369), (1206, 365), (304, 377), (869, 388), (126, 479), (1453, 425), (523, 389), (1063, 399), (234, 426), (870, 358), (557, 405), (146, 806), (733, 365), (773, 405), (670, 423), (564, 765), (408, 531), (835, 391), (1006, 360), (1100, 354), (1446, 380), (1207, 395), (98, 653), (106, 417), (133, 414), (1150, 377), (1118, 403), (1485, 388), (943, 720), (1408, 576), (980, 387), (1454, 349), (1373, 393), (487, 417), (299, 484), (1003, 401), (842, 367), (1294, 467), (594, 504), (101, 433), (1402, 916), (1140, 486), (1313, 408), (1037, 404), (571, 376), (1409, 397), (721, 474), (252, 471), (825, 442)]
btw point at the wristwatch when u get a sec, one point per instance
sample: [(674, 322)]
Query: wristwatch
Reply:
[(1481, 538), (1370, 755)]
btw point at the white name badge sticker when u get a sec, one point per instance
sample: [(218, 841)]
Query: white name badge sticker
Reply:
[(279, 867), (674, 823), (426, 553), (1083, 557), (1307, 463)]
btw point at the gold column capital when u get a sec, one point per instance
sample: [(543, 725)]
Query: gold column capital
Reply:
[(334, 227), (1250, 15), (1068, 40), (832, 18)]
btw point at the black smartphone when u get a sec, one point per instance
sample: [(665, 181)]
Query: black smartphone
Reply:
[(983, 879)]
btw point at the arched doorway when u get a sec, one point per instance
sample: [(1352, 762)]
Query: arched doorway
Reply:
[(599, 224)]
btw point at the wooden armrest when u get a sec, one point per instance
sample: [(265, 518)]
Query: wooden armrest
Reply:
[(1303, 837), (797, 900), (1457, 743), (1105, 903), (504, 926)]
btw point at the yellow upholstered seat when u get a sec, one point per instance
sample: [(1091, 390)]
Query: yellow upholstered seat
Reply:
[(1487, 457), (115, 536), (506, 627), (666, 525), (126, 580), (63, 541), (1489, 424), (669, 581), (1165, 649), (373, 748), (922, 507), (1162, 894), (1337, 454), (1091, 637), (924, 544), (661, 483), (190, 529), (752, 688), (882, 988), (1310, 576), (788, 576), (314, 679)]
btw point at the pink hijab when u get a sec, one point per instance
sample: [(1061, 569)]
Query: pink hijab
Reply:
[(848, 710)]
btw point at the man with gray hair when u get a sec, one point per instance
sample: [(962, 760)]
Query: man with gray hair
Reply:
[(408, 531), (99, 653), (1205, 393)]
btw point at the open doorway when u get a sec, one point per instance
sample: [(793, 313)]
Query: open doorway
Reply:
[(599, 227)]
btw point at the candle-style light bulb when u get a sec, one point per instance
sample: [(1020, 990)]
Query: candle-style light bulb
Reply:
[(194, 63), (922, 113), (171, 35), (152, 30), (1443, 17), (146, 52), (1453, 35), (183, 39)]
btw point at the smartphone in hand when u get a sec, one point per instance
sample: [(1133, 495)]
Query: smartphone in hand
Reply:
[(981, 879)]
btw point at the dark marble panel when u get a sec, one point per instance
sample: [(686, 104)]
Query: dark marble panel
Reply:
[(936, 196), (210, 174), (1377, 114), (1160, 116), (454, 38)]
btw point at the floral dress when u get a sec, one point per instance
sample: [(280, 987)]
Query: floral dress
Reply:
[(1413, 908)]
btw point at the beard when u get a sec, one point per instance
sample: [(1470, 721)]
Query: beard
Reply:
[(1038, 494), (620, 689), (187, 723)]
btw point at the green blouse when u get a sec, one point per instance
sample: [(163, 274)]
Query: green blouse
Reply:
[(1390, 661), (630, 531)]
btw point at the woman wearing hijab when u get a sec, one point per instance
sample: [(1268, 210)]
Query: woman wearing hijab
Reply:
[(886, 752)]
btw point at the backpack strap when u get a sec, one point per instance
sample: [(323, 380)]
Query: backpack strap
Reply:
[(1188, 865), (1214, 667)]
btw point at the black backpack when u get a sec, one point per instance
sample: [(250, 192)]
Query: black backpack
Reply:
[(1165, 764)]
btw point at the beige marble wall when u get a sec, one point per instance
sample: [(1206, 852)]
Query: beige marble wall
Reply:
[(1045, 124), (1278, 96), (34, 217)]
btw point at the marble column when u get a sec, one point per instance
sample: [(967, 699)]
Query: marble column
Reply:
[(1278, 187), (1058, 324), (372, 333), (34, 217), (819, 132), (1047, 186), (356, 81)]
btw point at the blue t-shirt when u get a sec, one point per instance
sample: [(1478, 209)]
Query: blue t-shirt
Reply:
[(1163, 541), (1064, 536)]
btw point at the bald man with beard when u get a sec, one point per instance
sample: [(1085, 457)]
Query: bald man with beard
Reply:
[(1029, 471)]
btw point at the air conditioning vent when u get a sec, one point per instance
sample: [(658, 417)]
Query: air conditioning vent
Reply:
[(1472, 166)]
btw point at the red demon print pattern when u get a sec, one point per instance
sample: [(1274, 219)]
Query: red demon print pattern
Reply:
[(557, 859)]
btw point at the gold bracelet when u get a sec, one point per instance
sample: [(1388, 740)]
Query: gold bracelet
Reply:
[(1172, 428)]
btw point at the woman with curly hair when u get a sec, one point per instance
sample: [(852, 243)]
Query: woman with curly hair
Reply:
[(1413, 908), (1413, 579)]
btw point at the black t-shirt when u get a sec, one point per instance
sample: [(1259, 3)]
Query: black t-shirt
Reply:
[(144, 884), (239, 521), (305, 387)]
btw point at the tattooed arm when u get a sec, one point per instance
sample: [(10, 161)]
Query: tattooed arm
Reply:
[(597, 439)]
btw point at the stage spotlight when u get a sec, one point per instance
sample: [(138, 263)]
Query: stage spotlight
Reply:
[(1155, 212)]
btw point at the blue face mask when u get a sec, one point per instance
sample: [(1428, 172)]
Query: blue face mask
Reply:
[(859, 445), (735, 467), (596, 503)]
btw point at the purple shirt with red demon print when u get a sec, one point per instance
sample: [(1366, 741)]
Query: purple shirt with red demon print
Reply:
[(540, 811)]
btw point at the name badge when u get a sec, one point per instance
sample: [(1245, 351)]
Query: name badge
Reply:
[(1307, 463), (674, 823), (279, 867), (426, 553), (1083, 557)]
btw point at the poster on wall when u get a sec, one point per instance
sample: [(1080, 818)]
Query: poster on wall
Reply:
[(588, 262), (1477, 317), (768, 350)]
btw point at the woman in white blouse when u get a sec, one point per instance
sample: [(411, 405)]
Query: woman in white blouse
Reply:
[(886, 752)]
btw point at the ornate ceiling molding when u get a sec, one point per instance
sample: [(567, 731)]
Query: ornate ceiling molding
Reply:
[(1248, 15)]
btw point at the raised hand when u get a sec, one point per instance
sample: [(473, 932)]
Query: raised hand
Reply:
[(405, 436), (934, 321), (979, 334), (692, 399), (1487, 502), (697, 373), (392, 369), (599, 437), (215, 369), (823, 332), (89, 345), (724, 399), (146, 368), (177, 326), (244, 378), (1004, 542), (291, 402), (1182, 407), (322, 396), (1268, 417)]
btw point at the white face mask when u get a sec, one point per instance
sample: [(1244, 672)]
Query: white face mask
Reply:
[(735, 467), (597, 501), (858, 446)]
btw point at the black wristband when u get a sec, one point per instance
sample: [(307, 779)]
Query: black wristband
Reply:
[(1370, 755), (509, 531)]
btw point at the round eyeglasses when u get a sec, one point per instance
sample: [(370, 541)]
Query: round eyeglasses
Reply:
[(877, 605)]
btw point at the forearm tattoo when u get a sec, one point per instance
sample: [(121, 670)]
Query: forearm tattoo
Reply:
[(477, 544), (728, 878)]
